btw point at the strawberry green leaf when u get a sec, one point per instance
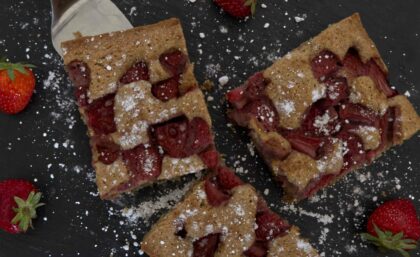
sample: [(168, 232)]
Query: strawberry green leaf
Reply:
[(12, 67), (11, 74), (26, 210), (386, 240)]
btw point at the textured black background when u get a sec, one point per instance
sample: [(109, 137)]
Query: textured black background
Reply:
[(64, 229)]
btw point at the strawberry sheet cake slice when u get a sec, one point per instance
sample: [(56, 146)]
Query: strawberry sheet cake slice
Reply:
[(223, 217), (147, 119), (324, 109)]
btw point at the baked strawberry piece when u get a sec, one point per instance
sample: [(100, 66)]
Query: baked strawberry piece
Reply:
[(147, 119), (323, 110), (223, 216)]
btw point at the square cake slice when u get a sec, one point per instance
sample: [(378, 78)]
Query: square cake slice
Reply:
[(323, 110), (146, 116), (223, 217)]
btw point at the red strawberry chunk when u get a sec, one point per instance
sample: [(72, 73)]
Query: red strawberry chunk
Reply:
[(315, 111), (181, 138), (206, 246), (199, 136), (8, 190), (108, 151), (337, 90), (139, 71), (210, 158), (320, 120), (379, 77), (143, 162), (270, 225), (215, 195), (264, 111), (255, 86), (167, 89), (304, 144), (353, 65), (358, 113), (354, 155), (237, 97), (256, 250), (227, 178), (101, 115), (324, 65), (79, 74), (174, 62), (172, 137)]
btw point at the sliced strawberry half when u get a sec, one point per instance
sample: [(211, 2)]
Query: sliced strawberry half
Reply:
[(139, 71), (255, 86), (353, 65), (258, 249), (270, 225), (143, 162), (101, 115), (174, 62), (172, 136), (108, 151), (79, 74), (304, 144), (167, 89), (355, 154), (264, 111), (358, 114), (215, 195), (337, 90), (236, 97), (199, 136), (325, 64), (206, 246), (227, 178), (210, 158)]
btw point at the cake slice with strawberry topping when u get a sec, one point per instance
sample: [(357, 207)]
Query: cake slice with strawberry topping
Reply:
[(147, 119), (223, 216), (323, 110)]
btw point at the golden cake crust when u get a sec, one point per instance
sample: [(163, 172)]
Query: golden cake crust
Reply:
[(108, 60), (135, 108), (293, 88), (235, 220)]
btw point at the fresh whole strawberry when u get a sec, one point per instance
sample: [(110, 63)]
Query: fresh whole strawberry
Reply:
[(395, 226), (17, 83), (237, 8), (19, 200)]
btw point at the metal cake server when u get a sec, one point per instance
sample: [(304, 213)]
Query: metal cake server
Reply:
[(89, 17)]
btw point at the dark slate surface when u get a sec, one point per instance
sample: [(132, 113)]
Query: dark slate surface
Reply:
[(47, 143)]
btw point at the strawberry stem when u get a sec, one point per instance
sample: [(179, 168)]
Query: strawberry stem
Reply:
[(26, 210), (386, 240), (12, 67)]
